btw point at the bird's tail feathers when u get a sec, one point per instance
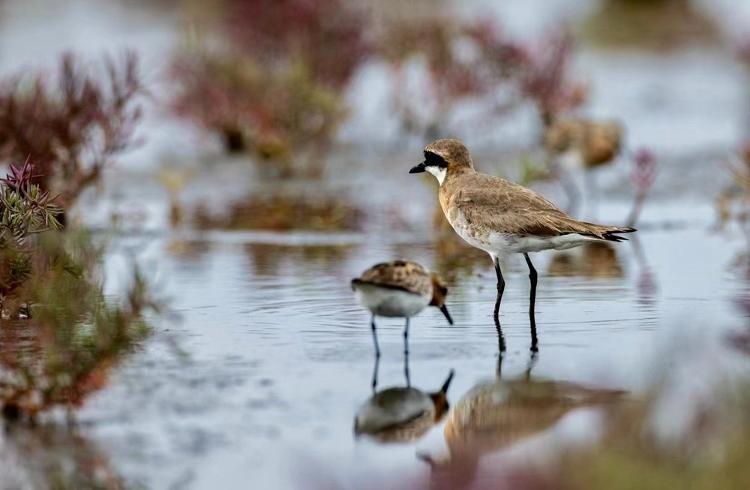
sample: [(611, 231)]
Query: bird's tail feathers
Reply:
[(609, 233)]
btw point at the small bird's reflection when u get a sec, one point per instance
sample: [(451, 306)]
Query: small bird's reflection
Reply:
[(401, 414), (496, 414)]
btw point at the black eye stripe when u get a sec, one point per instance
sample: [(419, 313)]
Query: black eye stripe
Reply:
[(433, 159)]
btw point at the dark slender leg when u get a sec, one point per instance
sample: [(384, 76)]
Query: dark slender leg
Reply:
[(375, 374), (499, 368), (406, 353), (532, 362), (406, 371), (375, 337), (500, 289), (406, 338), (532, 302)]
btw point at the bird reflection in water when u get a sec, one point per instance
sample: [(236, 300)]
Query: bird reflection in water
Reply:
[(497, 414), (594, 259), (600, 260), (400, 414)]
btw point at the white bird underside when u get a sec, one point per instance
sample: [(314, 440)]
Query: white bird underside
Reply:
[(503, 244), (389, 302)]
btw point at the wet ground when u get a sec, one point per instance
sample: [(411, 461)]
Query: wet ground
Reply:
[(258, 382)]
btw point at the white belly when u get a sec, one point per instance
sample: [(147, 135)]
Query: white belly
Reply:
[(502, 244), (537, 244), (390, 302)]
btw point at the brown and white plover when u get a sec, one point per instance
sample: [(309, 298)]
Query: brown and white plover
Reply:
[(399, 289), (502, 218)]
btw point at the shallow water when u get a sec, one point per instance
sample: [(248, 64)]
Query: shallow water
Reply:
[(258, 383), (279, 356)]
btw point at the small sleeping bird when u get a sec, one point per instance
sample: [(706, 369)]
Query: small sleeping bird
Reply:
[(399, 289)]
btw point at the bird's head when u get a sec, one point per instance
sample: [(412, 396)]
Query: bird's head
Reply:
[(440, 398), (439, 292), (443, 157)]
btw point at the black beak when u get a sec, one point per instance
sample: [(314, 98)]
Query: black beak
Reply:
[(418, 169), (447, 382), (444, 309)]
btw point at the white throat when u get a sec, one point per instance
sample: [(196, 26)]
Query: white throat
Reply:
[(438, 172)]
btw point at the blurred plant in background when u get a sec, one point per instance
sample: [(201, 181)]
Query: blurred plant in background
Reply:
[(651, 24), (460, 61), (59, 336), (275, 82), (71, 126), (327, 36), (48, 456), (732, 202), (284, 212), (74, 335), (547, 79), (711, 453), (25, 210)]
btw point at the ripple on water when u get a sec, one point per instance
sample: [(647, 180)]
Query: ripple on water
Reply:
[(279, 352)]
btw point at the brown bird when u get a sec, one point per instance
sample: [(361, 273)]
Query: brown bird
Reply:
[(502, 218), (583, 143), (594, 143), (399, 289)]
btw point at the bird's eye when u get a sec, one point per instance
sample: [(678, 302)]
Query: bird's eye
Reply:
[(434, 160)]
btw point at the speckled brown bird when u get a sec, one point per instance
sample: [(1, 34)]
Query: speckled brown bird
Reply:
[(399, 289), (502, 218)]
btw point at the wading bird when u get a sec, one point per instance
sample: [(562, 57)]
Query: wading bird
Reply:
[(580, 143), (399, 289), (502, 218)]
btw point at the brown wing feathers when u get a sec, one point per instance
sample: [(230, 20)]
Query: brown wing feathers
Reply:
[(398, 274), (498, 205), (605, 232)]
